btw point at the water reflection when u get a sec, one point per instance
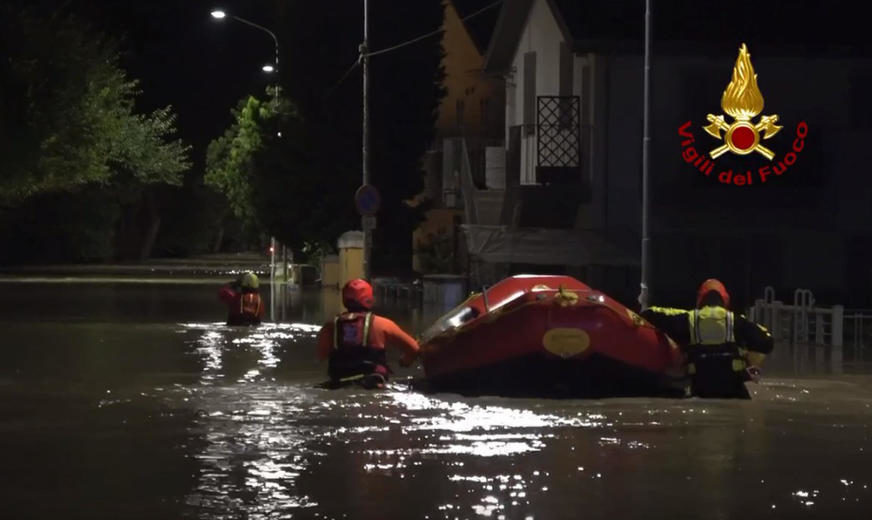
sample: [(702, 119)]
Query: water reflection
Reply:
[(153, 418), (251, 456)]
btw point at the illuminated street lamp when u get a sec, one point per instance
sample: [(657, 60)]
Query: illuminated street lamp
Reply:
[(219, 14)]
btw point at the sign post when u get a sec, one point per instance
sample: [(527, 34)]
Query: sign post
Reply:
[(368, 200)]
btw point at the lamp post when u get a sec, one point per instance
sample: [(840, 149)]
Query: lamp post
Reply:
[(218, 14), (646, 141), (364, 53)]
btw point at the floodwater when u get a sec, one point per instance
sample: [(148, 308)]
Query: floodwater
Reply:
[(132, 400)]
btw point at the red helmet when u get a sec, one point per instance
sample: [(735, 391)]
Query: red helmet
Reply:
[(357, 293), (710, 285)]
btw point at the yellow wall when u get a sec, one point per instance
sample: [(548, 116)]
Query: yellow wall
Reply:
[(350, 264), (465, 80), (330, 272), (331, 302)]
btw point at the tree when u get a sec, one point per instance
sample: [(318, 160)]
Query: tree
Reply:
[(70, 135), (230, 158), (300, 187), (265, 168), (67, 115), (406, 90)]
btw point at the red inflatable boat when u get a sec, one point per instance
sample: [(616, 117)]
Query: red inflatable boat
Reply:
[(535, 335)]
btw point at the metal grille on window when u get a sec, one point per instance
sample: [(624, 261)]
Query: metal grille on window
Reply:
[(558, 151)]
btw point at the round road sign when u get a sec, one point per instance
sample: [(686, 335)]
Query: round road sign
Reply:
[(367, 200)]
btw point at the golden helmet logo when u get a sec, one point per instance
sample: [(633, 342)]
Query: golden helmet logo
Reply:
[(742, 101)]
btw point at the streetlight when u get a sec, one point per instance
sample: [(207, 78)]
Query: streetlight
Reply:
[(219, 14), (646, 141), (364, 54)]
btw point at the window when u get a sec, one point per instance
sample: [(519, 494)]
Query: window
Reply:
[(530, 93)]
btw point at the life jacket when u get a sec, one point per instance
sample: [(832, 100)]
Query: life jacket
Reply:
[(250, 304), (352, 353), (713, 341), (247, 311)]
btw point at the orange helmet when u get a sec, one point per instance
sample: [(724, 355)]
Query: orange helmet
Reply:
[(710, 285), (357, 294)]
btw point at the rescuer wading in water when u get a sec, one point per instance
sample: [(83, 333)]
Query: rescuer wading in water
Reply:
[(244, 304), (354, 341), (723, 349)]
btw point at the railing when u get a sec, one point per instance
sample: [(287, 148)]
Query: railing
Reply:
[(801, 322), (558, 144), (806, 329), (858, 333)]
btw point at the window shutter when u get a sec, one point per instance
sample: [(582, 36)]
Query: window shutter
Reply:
[(530, 93)]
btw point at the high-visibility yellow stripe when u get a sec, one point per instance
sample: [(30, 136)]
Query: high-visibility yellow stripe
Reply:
[(367, 321), (669, 311), (336, 333), (755, 358), (711, 326)]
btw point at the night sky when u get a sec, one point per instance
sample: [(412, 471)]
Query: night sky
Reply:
[(185, 58)]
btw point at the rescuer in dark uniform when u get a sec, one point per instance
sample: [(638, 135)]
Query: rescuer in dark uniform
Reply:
[(723, 349), (354, 342)]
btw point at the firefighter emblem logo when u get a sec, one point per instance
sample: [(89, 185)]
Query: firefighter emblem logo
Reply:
[(743, 101), (739, 133)]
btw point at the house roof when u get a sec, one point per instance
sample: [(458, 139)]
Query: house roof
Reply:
[(510, 23), (798, 27), (481, 26)]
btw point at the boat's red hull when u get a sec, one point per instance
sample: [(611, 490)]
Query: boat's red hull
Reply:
[(549, 328)]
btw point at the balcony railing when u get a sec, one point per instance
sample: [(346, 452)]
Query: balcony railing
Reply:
[(558, 143)]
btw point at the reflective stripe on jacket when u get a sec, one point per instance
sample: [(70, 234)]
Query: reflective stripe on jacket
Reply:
[(250, 304)]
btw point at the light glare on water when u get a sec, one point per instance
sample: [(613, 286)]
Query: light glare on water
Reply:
[(188, 418)]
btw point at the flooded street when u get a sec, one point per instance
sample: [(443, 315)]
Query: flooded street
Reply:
[(133, 400)]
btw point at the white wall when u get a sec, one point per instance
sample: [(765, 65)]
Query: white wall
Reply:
[(541, 35)]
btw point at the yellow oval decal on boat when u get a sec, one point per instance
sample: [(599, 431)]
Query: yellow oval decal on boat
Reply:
[(566, 342)]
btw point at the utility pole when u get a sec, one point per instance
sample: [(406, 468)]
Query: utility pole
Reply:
[(646, 142), (364, 53)]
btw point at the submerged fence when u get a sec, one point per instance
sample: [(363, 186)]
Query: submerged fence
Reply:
[(810, 333)]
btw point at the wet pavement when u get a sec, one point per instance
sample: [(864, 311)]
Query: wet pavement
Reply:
[(133, 400)]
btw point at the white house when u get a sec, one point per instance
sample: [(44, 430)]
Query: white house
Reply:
[(572, 197)]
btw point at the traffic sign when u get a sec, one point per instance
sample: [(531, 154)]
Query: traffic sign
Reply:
[(368, 222), (367, 199)]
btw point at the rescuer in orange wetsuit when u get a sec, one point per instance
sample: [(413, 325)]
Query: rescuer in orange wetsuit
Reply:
[(244, 304), (357, 352)]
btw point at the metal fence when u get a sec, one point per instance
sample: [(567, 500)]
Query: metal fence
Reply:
[(805, 331)]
